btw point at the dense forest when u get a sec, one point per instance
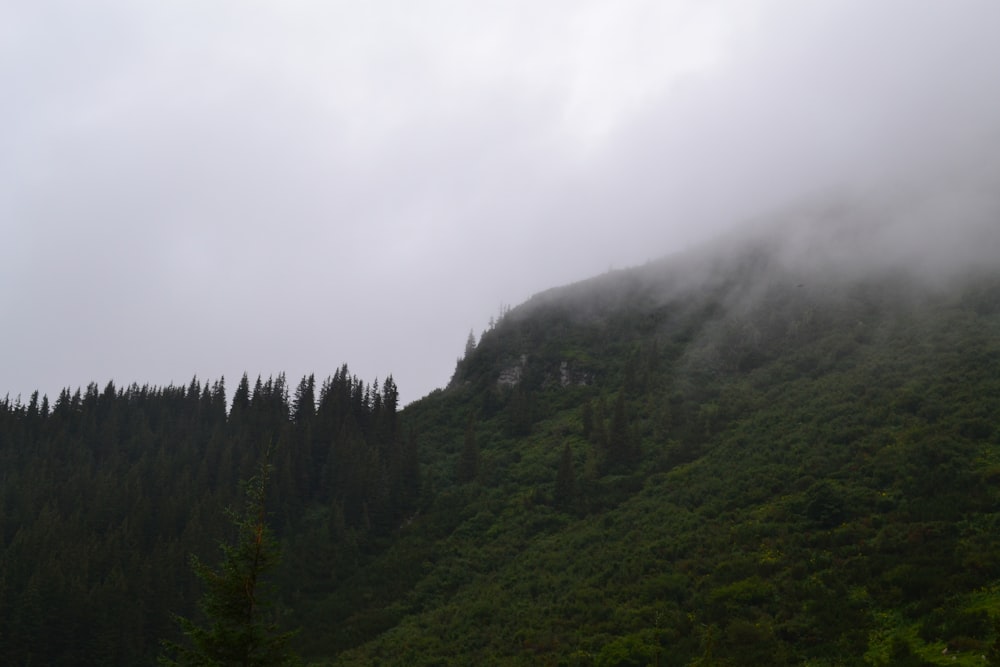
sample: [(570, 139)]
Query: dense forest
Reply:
[(723, 462), (106, 494)]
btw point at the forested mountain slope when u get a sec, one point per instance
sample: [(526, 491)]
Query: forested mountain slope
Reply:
[(719, 458), (728, 461)]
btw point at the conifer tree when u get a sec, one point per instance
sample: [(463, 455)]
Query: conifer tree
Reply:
[(622, 447), (519, 411), (565, 494), (236, 630), (304, 405), (241, 399), (587, 419), (470, 345), (468, 461)]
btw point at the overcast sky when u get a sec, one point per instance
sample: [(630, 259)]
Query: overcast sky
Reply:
[(211, 187)]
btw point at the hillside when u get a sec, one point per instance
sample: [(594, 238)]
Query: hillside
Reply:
[(768, 465), (726, 457)]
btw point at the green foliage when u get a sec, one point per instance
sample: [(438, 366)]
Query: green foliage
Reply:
[(749, 468), (106, 493), (468, 461), (565, 491), (238, 629), (802, 490)]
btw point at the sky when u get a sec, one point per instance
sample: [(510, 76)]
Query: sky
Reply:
[(212, 187)]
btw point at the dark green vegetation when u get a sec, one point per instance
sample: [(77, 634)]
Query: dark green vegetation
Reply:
[(746, 465), (237, 629), (106, 495)]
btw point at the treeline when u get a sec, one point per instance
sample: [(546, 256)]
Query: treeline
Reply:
[(105, 494)]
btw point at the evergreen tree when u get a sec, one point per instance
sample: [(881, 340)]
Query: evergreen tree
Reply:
[(622, 447), (236, 630), (519, 412), (470, 345), (565, 494), (387, 423), (406, 474), (587, 419), (241, 399), (390, 396), (468, 460), (304, 405)]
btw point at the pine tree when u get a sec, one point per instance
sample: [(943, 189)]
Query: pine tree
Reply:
[(468, 460), (304, 405), (519, 412), (622, 447), (241, 399), (565, 494), (470, 345), (587, 419), (236, 630)]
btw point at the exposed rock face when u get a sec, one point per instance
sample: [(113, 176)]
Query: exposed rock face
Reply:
[(510, 376), (569, 376)]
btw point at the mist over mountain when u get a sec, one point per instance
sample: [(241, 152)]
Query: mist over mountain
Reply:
[(172, 171), (926, 232), (784, 442), (768, 436), (778, 447)]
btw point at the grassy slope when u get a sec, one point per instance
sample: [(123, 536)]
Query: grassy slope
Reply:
[(818, 482)]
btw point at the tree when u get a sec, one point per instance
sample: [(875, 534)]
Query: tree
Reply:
[(304, 405), (241, 399), (519, 412), (622, 447), (565, 494), (587, 419), (468, 460), (470, 345), (236, 630)]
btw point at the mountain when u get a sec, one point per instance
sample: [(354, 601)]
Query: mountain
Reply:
[(769, 462), (779, 449)]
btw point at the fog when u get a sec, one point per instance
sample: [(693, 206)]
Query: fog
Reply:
[(218, 187), (931, 230)]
